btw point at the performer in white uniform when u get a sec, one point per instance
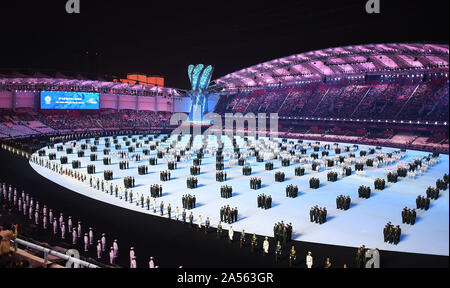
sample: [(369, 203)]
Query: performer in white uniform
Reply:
[(309, 260), (199, 227), (63, 231), (116, 248), (99, 249), (266, 246), (91, 237), (151, 264), (103, 242), (74, 236), (55, 226), (133, 263), (230, 234), (111, 255), (132, 254), (69, 223), (86, 242)]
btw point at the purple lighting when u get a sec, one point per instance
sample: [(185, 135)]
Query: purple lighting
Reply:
[(343, 62)]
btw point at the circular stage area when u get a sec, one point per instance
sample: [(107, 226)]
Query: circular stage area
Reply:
[(362, 223)]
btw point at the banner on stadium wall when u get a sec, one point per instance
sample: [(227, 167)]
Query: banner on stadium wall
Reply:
[(69, 100)]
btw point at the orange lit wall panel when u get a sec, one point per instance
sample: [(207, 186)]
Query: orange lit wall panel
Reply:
[(143, 80), (156, 81)]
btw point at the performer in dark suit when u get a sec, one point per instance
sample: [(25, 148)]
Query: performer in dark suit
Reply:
[(219, 230), (292, 256), (254, 242), (277, 251)]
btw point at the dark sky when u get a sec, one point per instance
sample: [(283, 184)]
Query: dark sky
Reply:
[(140, 36)]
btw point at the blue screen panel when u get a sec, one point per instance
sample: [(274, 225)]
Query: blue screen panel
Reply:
[(69, 100)]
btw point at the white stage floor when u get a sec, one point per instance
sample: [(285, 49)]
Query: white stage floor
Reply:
[(362, 224)]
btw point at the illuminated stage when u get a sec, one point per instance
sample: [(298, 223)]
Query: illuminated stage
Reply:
[(362, 224)]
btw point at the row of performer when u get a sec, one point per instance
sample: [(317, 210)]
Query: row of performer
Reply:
[(264, 201), (164, 176), (255, 183), (409, 216), (192, 182), (343, 202), (282, 232), (228, 215), (188, 201), (392, 234), (226, 191), (318, 215), (58, 225), (221, 176), (291, 191)]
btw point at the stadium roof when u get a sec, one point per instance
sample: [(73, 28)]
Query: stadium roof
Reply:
[(371, 59), (83, 84)]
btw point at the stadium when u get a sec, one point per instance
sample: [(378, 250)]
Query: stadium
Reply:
[(339, 153)]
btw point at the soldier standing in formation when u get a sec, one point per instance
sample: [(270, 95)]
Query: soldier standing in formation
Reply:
[(277, 251), (392, 234), (254, 242), (191, 219), (207, 223), (242, 240), (219, 230), (409, 216), (292, 256), (183, 215)]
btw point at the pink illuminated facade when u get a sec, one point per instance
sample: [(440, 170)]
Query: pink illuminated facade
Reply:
[(343, 62), (24, 92)]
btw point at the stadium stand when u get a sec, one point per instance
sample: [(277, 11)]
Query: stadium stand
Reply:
[(393, 99)]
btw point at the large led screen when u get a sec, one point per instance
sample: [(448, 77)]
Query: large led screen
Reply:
[(69, 100)]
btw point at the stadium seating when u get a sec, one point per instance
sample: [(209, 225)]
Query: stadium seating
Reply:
[(19, 125), (401, 99)]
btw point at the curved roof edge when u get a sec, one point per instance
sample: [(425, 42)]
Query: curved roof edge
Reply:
[(345, 61), (85, 85)]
